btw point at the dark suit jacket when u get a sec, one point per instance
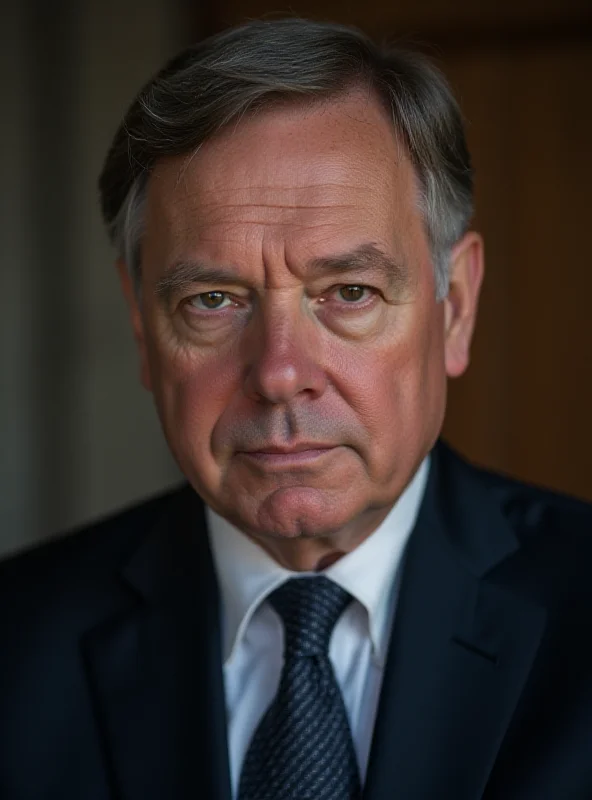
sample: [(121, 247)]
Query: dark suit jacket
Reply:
[(111, 682)]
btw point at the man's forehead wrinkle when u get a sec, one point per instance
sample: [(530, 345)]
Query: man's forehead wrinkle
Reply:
[(200, 211), (254, 223), (287, 206), (288, 187), (200, 218), (282, 197)]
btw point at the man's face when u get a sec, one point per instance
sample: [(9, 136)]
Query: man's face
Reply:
[(288, 325)]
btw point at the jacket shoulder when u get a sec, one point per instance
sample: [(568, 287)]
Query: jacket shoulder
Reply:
[(525, 505), (553, 532), (84, 555), (530, 508)]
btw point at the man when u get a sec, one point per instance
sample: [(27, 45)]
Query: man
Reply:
[(335, 606)]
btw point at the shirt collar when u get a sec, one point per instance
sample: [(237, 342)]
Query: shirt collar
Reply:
[(247, 574)]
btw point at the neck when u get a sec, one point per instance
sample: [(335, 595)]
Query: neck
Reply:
[(307, 553)]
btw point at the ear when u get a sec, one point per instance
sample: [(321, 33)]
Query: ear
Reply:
[(135, 312), (460, 305)]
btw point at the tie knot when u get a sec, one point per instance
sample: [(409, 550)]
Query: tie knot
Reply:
[(309, 609)]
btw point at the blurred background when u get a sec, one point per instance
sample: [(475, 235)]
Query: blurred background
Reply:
[(80, 437)]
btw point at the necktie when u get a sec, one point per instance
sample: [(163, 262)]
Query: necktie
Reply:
[(302, 748)]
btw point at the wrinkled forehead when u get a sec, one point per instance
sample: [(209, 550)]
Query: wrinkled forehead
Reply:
[(337, 146), (317, 170)]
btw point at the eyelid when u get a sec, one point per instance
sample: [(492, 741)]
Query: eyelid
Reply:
[(227, 296), (232, 289), (371, 290)]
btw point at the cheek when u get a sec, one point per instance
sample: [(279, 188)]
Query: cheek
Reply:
[(191, 392), (398, 392)]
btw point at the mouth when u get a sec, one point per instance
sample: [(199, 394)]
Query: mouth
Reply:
[(301, 454)]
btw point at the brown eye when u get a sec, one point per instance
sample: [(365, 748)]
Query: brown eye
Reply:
[(352, 293), (209, 300)]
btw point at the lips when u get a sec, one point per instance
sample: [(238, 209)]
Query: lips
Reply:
[(299, 448), (302, 455)]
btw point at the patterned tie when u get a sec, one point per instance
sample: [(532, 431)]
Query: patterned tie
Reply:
[(303, 749)]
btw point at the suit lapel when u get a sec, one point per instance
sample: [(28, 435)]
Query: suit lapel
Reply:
[(460, 652), (155, 669)]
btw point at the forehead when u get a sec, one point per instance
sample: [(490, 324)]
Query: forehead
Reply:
[(304, 176)]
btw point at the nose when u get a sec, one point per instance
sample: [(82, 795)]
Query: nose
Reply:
[(282, 357)]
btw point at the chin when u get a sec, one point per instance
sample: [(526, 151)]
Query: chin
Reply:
[(305, 512)]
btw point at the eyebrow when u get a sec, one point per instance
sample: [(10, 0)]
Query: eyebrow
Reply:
[(367, 258), (185, 273)]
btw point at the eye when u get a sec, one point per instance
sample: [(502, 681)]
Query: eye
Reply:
[(353, 293), (210, 301)]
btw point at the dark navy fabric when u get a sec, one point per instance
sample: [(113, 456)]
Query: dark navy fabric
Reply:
[(303, 747), (111, 679)]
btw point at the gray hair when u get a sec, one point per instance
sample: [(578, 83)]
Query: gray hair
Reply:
[(263, 64)]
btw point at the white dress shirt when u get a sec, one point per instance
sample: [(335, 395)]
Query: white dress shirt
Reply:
[(253, 632)]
